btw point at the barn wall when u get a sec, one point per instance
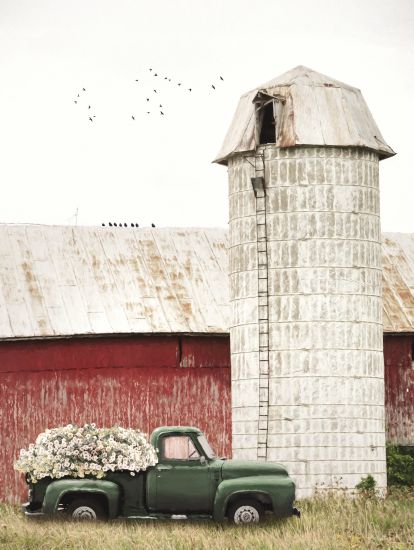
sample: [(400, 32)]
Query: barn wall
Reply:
[(141, 382), (399, 389)]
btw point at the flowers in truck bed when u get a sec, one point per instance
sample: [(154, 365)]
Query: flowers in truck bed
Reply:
[(77, 451)]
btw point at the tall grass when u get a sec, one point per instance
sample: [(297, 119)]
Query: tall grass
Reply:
[(326, 523)]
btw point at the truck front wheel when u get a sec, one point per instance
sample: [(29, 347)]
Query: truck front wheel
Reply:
[(86, 509), (246, 511)]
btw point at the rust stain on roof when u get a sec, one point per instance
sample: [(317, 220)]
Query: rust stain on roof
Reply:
[(398, 282), (128, 280), (89, 280)]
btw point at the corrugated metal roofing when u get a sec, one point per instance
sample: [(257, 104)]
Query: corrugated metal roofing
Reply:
[(61, 281), (398, 282), (318, 110)]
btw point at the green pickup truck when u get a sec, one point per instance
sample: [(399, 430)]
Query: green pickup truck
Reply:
[(189, 480)]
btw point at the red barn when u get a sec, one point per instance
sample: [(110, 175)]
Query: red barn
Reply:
[(130, 326), (398, 318), (113, 326)]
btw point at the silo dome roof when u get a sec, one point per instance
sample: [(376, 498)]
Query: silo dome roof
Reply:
[(314, 110)]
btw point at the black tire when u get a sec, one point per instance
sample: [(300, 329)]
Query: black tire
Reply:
[(247, 510), (86, 508)]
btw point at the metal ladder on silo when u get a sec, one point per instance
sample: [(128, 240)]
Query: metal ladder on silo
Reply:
[(263, 308)]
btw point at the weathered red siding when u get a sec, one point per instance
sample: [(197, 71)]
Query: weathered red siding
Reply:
[(141, 382), (399, 389)]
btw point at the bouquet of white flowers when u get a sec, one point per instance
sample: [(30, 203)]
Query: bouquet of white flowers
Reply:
[(77, 451)]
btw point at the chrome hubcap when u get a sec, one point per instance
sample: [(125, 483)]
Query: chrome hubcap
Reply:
[(84, 512), (246, 514)]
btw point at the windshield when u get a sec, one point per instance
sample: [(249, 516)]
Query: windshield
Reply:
[(206, 447)]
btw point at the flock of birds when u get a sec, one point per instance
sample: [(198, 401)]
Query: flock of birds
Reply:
[(113, 224), (155, 106)]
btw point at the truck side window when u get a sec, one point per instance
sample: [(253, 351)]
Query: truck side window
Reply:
[(179, 447)]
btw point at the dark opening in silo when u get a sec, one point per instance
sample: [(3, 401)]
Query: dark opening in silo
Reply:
[(267, 130)]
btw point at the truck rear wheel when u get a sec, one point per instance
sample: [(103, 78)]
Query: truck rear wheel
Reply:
[(85, 508), (246, 511)]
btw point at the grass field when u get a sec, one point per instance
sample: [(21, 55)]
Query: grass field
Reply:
[(326, 523)]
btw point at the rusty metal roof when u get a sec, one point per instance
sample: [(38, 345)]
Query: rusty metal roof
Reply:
[(317, 110), (64, 281), (61, 281), (398, 282)]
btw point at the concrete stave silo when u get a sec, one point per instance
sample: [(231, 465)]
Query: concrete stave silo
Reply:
[(305, 280)]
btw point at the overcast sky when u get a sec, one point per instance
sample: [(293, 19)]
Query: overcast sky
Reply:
[(157, 168)]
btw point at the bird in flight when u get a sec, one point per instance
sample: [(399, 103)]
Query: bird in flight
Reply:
[(213, 86), (189, 89), (83, 89), (133, 118), (155, 91), (78, 95), (221, 78), (89, 106), (161, 112), (91, 119), (147, 98), (75, 101)]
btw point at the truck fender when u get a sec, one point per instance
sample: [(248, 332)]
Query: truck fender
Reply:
[(239, 487), (57, 489)]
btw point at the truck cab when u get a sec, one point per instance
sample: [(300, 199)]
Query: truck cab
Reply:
[(188, 480)]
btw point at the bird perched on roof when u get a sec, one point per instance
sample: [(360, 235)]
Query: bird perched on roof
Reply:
[(110, 224), (153, 225)]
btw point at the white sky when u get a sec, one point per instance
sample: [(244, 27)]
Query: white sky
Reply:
[(54, 161)]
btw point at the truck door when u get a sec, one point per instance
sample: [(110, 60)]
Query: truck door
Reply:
[(182, 477)]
